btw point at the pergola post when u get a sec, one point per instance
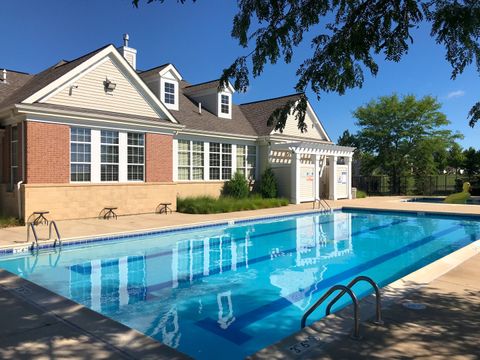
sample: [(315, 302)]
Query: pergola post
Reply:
[(348, 161), (332, 176), (316, 159), (295, 176)]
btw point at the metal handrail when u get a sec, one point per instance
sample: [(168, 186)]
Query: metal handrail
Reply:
[(56, 231), (378, 298), (325, 202), (344, 289), (31, 225), (321, 205)]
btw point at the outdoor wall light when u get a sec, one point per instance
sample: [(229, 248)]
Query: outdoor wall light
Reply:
[(109, 85)]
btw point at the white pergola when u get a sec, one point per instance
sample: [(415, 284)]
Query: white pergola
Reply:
[(319, 153)]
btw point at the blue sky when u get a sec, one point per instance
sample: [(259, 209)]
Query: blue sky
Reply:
[(196, 38)]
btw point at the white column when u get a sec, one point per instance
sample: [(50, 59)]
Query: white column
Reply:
[(95, 159), (348, 160), (175, 159), (234, 158), (332, 176), (206, 160), (295, 177), (122, 157), (317, 176)]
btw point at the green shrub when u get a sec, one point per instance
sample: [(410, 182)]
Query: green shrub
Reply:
[(9, 221), (224, 204), (268, 184), (237, 187), (361, 194)]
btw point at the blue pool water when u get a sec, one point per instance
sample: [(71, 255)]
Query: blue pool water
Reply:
[(440, 200), (228, 291)]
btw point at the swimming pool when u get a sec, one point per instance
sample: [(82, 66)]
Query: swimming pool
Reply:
[(227, 291), (474, 200)]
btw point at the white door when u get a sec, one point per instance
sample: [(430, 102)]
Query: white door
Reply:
[(307, 183)]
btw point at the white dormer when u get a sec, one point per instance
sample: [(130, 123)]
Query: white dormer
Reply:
[(215, 101), (165, 83)]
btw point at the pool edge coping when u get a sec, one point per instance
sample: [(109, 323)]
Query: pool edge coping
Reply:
[(393, 292)]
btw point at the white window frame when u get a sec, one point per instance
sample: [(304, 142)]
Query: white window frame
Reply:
[(247, 167), (142, 164), (190, 155), (117, 145), (175, 83), (89, 163), (220, 103), (221, 167)]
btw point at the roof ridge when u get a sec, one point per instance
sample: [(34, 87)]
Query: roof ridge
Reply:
[(270, 99), (16, 71), (155, 67), (202, 83)]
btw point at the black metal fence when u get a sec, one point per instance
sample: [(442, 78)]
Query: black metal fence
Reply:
[(408, 185)]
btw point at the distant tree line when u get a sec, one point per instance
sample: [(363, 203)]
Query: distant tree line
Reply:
[(402, 136)]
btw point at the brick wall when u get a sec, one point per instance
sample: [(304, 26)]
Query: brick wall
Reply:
[(47, 153), (159, 152)]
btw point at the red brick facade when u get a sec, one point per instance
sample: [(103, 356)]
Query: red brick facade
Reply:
[(47, 153), (159, 162), (6, 156)]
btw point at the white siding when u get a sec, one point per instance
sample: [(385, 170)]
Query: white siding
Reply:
[(313, 131), (342, 181), (307, 183), (90, 93)]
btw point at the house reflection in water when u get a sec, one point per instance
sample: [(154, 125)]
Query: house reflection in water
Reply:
[(185, 275), (315, 243)]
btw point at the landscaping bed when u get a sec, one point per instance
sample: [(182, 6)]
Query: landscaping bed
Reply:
[(9, 222), (224, 204)]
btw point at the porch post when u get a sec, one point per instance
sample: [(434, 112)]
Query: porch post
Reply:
[(317, 176), (295, 176), (332, 176), (348, 160)]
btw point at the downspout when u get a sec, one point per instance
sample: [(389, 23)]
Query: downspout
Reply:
[(19, 193)]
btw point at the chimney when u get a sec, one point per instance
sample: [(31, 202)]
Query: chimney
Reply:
[(129, 53), (4, 76)]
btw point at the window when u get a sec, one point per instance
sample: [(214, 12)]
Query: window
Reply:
[(220, 161), (169, 93), (14, 179), (80, 154), (183, 160), (109, 155), (190, 160), (136, 156), (197, 160), (246, 161), (225, 104)]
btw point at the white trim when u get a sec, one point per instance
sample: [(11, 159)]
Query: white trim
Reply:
[(175, 83), (317, 121), (110, 50), (122, 157), (170, 68)]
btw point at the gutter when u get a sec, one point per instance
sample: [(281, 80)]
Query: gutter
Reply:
[(19, 199)]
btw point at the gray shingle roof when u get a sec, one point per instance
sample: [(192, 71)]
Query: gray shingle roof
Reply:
[(258, 112), (42, 79), (154, 70), (188, 115), (15, 80), (213, 84)]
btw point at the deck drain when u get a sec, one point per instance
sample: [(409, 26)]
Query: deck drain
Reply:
[(414, 306)]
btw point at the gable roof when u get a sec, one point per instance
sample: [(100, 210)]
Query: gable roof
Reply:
[(258, 112), (42, 79), (212, 84), (206, 121), (155, 70)]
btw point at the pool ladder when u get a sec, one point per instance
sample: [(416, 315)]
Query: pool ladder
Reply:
[(31, 227), (347, 289), (322, 205)]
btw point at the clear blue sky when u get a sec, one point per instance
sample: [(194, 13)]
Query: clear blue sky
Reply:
[(196, 38)]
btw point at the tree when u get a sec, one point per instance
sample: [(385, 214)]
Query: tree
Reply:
[(472, 161), (402, 136), (455, 157), (346, 39)]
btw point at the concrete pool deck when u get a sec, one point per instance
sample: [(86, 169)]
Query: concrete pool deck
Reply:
[(41, 324)]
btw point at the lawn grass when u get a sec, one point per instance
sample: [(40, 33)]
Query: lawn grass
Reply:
[(211, 205), (9, 222)]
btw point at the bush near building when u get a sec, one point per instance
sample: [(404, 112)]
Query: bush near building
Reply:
[(224, 204)]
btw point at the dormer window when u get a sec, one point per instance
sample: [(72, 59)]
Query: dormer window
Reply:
[(225, 104), (169, 93)]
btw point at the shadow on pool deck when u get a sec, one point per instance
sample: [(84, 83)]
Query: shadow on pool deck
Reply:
[(448, 328)]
